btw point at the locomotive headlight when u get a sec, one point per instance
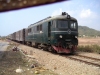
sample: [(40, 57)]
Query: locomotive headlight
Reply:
[(76, 36), (60, 36)]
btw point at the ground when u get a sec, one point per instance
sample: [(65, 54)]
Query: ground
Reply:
[(47, 62), (11, 60), (89, 41)]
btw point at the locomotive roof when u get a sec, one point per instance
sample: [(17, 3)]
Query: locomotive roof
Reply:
[(51, 18)]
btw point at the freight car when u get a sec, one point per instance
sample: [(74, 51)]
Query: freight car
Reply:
[(20, 36), (57, 33)]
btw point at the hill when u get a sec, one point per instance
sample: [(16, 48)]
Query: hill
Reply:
[(84, 30)]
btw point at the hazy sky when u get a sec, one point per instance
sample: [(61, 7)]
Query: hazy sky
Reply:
[(87, 12)]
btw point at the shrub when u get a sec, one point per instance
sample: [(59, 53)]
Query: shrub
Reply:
[(89, 48)]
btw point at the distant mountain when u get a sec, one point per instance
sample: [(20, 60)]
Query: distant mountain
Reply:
[(84, 30)]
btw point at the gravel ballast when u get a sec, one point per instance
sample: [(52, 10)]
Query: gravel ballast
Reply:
[(60, 64)]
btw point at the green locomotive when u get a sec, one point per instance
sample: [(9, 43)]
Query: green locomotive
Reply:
[(58, 33)]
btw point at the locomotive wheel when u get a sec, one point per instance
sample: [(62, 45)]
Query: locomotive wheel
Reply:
[(36, 45), (45, 48), (54, 51)]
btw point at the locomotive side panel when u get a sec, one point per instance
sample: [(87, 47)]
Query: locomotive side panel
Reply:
[(45, 33)]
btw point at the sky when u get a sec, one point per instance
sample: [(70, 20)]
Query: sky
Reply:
[(87, 12)]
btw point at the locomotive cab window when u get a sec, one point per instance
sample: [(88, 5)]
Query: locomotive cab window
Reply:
[(62, 24), (73, 25), (54, 24)]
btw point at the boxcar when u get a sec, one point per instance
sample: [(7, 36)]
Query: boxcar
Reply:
[(17, 36)]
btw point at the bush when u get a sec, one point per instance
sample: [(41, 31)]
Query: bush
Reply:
[(89, 48)]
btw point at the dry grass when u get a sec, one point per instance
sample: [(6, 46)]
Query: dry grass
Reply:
[(89, 41), (11, 61), (89, 45), (89, 48)]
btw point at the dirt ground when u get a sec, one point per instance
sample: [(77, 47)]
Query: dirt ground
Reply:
[(89, 41), (12, 61), (60, 64)]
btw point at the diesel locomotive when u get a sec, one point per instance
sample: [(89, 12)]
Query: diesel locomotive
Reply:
[(57, 33)]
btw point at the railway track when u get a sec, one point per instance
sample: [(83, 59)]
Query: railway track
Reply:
[(89, 57), (85, 59)]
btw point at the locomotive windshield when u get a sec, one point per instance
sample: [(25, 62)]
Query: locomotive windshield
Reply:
[(62, 24), (73, 24)]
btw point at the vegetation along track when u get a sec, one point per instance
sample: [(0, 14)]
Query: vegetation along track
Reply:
[(85, 59)]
